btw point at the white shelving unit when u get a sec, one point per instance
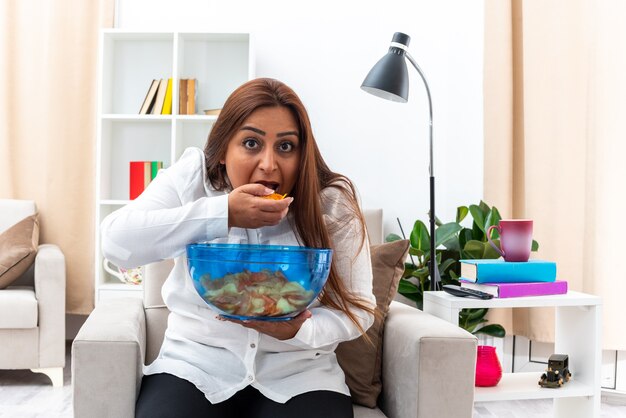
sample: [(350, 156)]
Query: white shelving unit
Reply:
[(577, 334), (129, 61)]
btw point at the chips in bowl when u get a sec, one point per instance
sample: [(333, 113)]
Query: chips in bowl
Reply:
[(258, 282)]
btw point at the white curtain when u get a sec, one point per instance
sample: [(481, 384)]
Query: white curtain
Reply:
[(48, 73), (555, 131)]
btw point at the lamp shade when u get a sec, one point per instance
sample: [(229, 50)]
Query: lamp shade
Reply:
[(389, 78)]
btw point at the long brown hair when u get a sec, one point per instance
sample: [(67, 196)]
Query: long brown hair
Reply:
[(314, 176)]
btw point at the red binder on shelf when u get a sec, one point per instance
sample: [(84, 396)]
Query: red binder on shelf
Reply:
[(141, 174), (136, 178)]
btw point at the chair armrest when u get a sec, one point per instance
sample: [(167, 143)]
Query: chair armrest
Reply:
[(428, 366), (107, 359), (49, 279)]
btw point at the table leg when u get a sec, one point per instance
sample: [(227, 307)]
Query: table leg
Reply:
[(578, 334)]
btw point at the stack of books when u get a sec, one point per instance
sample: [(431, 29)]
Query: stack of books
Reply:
[(158, 100), (505, 279), (141, 174)]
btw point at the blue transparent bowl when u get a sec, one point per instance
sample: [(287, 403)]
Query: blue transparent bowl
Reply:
[(258, 282)]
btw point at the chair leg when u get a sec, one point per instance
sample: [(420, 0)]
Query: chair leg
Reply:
[(54, 373)]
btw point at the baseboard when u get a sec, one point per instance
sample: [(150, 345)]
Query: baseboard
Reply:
[(613, 397)]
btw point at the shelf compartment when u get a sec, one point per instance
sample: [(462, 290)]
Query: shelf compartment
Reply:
[(126, 141), (577, 333), (192, 133), (219, 62), (521, 386), (130, 62)]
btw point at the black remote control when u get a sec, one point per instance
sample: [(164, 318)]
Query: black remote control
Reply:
[(465, 292)]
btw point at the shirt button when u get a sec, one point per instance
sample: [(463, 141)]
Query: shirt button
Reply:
[(250, 377), (253, 345)]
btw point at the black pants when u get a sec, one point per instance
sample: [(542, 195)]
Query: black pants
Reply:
[(166, 396)]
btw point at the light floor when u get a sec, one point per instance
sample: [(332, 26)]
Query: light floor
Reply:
[(24, 394), (541, 408)]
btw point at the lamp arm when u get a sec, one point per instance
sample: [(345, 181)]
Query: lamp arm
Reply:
[(430, 109), (435, 278)]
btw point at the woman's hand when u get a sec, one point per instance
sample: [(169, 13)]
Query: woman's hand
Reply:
[(281, 330), (247, 208)]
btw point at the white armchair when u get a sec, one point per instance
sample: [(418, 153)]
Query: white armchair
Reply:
[(32, 309), (428, 363)]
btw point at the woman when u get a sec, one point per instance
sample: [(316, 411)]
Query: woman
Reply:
[(261, 143)]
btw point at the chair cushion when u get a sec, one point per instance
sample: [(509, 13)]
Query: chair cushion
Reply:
[(18, 247), (360, 360), (361, 412), (18, 308)]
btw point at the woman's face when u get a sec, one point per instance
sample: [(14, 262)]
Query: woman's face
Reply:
[(265, 150)]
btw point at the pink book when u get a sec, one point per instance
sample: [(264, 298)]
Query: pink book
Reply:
[(512, 290)]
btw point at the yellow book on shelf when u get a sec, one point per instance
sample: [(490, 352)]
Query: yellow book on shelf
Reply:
[(167, 104)]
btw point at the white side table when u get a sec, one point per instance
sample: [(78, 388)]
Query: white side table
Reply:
[(577, 334)]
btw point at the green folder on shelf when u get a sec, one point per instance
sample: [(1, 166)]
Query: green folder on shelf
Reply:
[(155, 167)]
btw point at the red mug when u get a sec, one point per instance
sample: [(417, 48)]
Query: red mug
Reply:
[(516, 239)]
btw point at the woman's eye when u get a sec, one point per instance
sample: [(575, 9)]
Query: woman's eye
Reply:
[(251, 143), (286, 146)]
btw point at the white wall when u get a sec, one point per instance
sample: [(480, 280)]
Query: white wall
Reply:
[(324, 49)]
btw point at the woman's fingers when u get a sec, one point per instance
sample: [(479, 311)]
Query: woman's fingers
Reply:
[(281, 330), (255, 189), (248, 209), (268, 205)]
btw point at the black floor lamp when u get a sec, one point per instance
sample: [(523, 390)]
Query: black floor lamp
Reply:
[(389, 80)]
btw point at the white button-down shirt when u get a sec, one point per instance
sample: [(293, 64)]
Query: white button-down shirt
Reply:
[(219, 357)]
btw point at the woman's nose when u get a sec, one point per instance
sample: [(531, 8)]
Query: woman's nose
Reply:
[(268, 162)]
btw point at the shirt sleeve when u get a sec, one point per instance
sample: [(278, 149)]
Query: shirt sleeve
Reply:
[(327, 327), (172, 212)]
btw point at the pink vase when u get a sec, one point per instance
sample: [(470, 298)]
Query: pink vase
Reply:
[(488, 368)]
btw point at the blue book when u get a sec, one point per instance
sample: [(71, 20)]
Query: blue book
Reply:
[(500, 271)]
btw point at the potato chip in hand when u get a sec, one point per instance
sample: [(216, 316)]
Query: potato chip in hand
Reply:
[(275, 196)]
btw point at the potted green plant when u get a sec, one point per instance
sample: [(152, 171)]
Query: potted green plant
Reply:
[(453, 242)]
